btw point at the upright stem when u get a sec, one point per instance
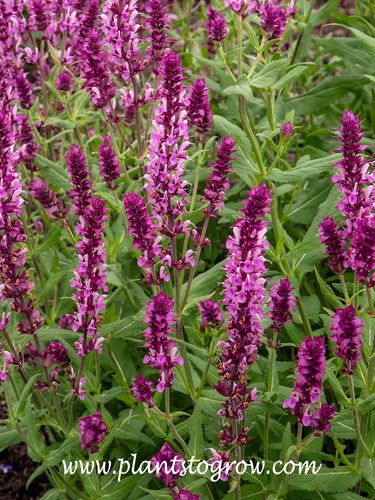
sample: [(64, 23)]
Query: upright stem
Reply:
[(361, 444), (271, 372)]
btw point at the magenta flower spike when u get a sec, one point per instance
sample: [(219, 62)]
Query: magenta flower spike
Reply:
[(167, 151), (120, 28), (162, 351), (80, 178), (157, 23), (346, 331), (211, 314), (244, 298), (282, 305), (90, 278), (352, 173), (198, 108), (143, 389), (142, 229), (216, 26), (109, 163), (308, 390), (97, 80), (48, 199), (334, 240), (218, 183)]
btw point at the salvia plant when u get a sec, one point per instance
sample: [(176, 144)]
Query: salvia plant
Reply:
[(187, 248)]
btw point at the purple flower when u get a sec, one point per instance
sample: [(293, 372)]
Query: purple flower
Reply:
[(38, 18), (80, 178), (198, 108), (221, 459), (216, 26), (333, 238), (9, 359), (120, 29), (321, 420), (287, 129), (282, 304), (362, 253), (352, 170), (211, 314), (109, 163), (97, 80), (311, 367), (48, 199), (169, 465), (347, 335), (24, 90), (167, 152), (240, 6), (162, 353), (143, 389), (89, 19), (244, 296), (157, 23), (57, 353), (184, 494), (273, 18), (90, 277), (25, 138), (15, 283), (92, 430), (64, 81), (218, 183), (143, 229)]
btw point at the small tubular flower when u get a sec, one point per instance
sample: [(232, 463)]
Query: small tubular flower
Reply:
[(143, 389), (346, 331)]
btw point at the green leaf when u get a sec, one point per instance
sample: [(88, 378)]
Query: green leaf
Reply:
[(367, 42), (304, 169), (196, 432), (53, 172), (52, 237), (8, 437), (51, 495), (368, 469), (327, 292), (324, 94), (243, 88), (204, 283), (295, 72), (269, 74), (55, 457), (336, 480), (327, 208), (20, 406)]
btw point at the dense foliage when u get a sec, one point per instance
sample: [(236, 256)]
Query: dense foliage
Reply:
[(187, 251)]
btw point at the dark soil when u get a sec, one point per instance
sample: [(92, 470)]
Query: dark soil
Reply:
[(15, 469)]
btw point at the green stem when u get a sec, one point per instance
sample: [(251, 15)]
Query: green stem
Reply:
[(272, 364), (344, 287), (361, 444), (340, 451)]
